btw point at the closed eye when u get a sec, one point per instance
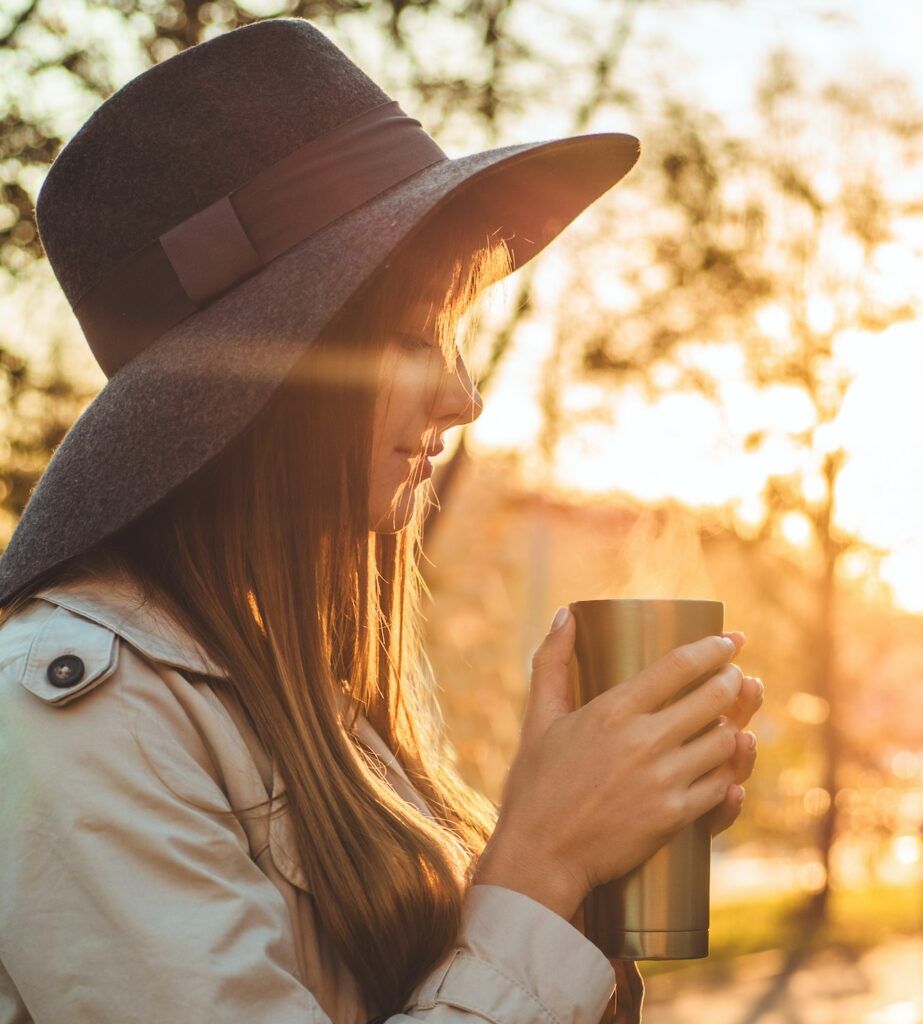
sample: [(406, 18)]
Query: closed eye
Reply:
[(415, 342)]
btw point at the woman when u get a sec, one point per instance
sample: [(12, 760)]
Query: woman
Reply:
[(211, 605)]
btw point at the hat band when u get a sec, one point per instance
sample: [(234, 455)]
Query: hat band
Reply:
[(194, 262)]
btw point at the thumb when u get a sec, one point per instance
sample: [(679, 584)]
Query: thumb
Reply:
[(551, 693)]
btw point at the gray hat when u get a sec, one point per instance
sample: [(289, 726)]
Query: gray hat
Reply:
[(209, 220)]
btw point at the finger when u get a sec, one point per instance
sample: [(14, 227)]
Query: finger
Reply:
[(700, 755), (728, 811), (664, 679), (749, 701), (739, 638), (551, 689), (744, 756), (708, 791), (698, 710)]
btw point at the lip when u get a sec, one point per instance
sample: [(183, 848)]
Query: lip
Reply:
[(427, 467), (428, 452)]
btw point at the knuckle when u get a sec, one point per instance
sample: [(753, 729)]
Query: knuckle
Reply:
[(610, 710), (720, 647), (634, 742), (661, 778), (673, 811), (727, 685), (656, 738), (542, 658), (728, 740), (681, 660), (717, 694)]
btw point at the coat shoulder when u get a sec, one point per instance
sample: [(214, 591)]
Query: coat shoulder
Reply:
[(56, 654)]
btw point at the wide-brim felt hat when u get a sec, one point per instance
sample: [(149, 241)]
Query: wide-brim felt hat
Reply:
[(207, 222)]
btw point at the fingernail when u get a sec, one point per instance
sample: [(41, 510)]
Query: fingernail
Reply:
[(731, 646), (751, 740), (759, 688), (560, 617), (739, 795)]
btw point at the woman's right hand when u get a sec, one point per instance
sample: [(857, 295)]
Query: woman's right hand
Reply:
[(594, 791)]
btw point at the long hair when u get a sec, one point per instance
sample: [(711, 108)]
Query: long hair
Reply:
[(266, 557)]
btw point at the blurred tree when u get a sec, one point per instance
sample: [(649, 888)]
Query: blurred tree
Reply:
[(784, 247), (38, 404)]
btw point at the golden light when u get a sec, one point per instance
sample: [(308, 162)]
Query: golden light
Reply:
[(808, 708), (906, 849), (811, 876), (774, 320), (816, 801), (635, 448), (796, 528), (905, 764), (792, 781), (911, 806), (886, 800), (897, 1013)]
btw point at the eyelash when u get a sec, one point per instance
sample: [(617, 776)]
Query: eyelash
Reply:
[(414, 345)]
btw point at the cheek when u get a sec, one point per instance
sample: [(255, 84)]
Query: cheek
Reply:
[(395, 414), (388, 466)]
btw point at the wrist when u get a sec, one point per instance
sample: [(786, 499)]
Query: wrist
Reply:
[(514, 865)]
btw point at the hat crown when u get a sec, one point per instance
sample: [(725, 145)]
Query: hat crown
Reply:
[(186, 132)]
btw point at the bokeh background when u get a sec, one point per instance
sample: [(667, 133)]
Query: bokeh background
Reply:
[(709, 386)]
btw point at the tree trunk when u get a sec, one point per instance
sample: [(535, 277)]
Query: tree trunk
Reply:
[(823, 642)]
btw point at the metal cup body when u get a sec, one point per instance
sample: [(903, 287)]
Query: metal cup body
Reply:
[(660, 909)]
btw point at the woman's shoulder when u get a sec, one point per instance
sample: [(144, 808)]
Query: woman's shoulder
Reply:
[(101, 694), (89, 668), (98, 691), (71, 638)]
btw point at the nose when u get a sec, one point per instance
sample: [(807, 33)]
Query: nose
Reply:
[(457, 401)]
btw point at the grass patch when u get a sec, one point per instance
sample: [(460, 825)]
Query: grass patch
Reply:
[(857, 919)]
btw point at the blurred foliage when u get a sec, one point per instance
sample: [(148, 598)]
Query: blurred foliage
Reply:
[(38, 405), (87, 51)]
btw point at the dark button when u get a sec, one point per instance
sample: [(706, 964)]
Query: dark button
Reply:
[(66, 670)]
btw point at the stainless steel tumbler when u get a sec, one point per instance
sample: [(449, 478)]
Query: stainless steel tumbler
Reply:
[(659, 910)]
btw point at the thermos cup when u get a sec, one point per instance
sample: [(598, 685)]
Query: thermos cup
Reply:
[(659, 910)]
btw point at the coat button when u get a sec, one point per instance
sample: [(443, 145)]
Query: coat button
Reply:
[(66, 670)]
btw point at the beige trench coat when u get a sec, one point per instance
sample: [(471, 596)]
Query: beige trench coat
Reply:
[(121, 903)]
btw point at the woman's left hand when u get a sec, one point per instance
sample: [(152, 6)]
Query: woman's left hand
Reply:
[(748, 703)]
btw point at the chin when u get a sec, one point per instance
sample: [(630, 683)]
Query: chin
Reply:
[(393, 520)]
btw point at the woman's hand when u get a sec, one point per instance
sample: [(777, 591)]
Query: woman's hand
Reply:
[(748, 702), (569, 816)]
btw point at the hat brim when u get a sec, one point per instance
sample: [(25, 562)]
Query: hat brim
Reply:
[(172, 408)]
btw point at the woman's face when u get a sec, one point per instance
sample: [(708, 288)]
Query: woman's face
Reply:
[(419, 399)]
